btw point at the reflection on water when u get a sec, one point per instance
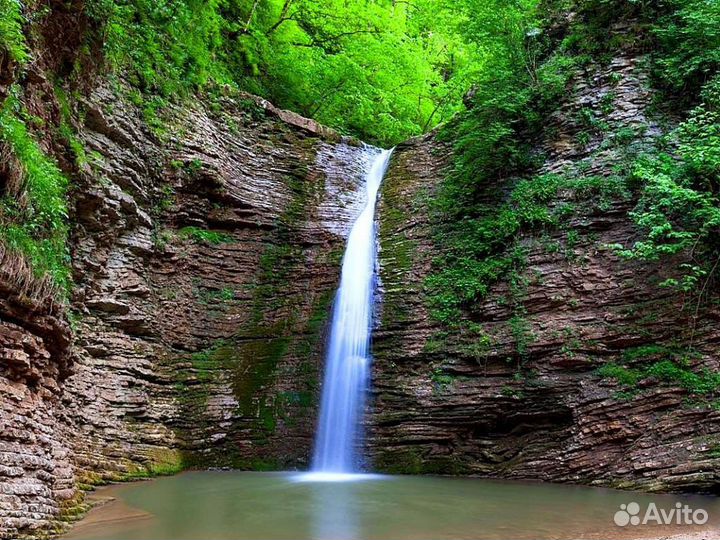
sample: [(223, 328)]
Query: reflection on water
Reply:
[(335, 519), (283, 506)]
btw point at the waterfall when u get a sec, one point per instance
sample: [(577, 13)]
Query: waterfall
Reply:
[(348, 356)]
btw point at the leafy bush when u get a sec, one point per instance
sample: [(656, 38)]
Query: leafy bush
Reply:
[(34, 224), (518, 85), (475, 250), (668, 371), (668, 364), (689, 45), (700, 139), (622, 374), (12, 39), (170, 46), (679, 208)]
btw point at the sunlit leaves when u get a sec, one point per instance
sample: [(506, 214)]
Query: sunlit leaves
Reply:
[(381, 70), (690, 37), (11, 35)]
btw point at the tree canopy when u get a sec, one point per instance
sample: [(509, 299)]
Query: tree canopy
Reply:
[(379, 69)]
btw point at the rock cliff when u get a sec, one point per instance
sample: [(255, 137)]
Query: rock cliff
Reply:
[(205, 258), (445, 402)]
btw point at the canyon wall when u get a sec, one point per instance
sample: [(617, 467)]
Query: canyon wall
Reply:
[(206, 266), (36, 474), (524, 399), (205, 257)]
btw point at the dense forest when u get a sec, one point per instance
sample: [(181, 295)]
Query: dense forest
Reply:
[(379, 70)]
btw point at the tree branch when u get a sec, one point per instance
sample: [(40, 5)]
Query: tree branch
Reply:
[(283, 17), (252, 14)]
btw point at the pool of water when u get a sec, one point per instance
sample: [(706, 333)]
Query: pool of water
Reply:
[(282, 506)]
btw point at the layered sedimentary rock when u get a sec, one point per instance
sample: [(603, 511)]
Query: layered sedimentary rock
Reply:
[(525, 400), (206, 268), (205, 256), (36, 474)]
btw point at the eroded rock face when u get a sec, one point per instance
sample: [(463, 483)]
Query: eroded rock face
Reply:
[(36, 475), (205, 258), (460, 404), (207, 265)]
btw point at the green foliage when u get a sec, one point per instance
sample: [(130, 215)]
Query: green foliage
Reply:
[(679, 208), (668, 371), (706, 382), (699, 139), (12, 40), (644, 351), (475, 254), (34, 224), (205, 236), (592, 35), (518, 85), (510, 392), (522, 334), (478, 252), (441, 380), (207, 361), (381, 70), (170, 45), (160, 463), (664, 364), (524, 73), (689, 44), (622, 374), (66, 131)]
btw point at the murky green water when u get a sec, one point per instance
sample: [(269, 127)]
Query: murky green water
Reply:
[(276, 506)]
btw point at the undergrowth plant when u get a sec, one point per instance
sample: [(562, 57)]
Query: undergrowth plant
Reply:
[(12, 40), (205, 236), (527, 74), (33, 218), (679, 207), (664, 365)]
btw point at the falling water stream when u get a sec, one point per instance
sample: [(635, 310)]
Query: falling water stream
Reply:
[(348, 356)]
